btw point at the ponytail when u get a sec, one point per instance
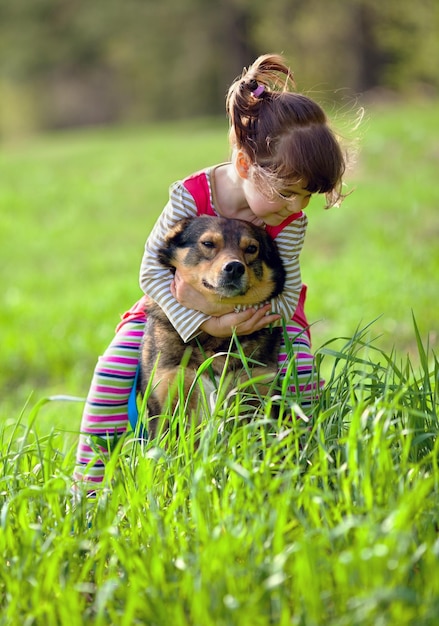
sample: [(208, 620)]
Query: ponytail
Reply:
[(285, 134), (250, 92)]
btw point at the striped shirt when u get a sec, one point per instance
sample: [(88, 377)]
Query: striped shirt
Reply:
[(155, 280)]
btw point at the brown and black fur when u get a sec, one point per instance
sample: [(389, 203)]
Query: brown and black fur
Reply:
[(227, 260)]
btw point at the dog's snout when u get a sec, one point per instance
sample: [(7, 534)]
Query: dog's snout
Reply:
[(234, 269)]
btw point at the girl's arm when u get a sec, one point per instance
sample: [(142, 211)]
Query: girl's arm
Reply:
[(155, 280), (289, 243)]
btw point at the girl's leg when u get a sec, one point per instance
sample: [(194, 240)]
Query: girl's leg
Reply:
[(106, 409), (296, 362)]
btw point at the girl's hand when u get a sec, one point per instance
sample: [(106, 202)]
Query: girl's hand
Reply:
[(243, 323)]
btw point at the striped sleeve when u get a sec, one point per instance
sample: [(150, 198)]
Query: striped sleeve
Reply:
[(290, 242), (155, 280)]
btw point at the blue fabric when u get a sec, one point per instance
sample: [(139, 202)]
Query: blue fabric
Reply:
[(133, 412)]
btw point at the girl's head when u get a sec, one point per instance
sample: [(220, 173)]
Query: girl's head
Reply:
[(285, 135)]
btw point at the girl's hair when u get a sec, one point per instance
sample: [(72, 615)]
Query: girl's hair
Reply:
[(284, 133)]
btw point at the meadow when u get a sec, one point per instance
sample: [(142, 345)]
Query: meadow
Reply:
[(280, 521)]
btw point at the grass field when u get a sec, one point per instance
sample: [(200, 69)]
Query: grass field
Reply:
[(333, 523)]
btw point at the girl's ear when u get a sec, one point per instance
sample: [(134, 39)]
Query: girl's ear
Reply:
[(242, 164)]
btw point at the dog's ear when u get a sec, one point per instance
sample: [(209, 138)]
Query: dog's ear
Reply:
[(174, 235), (173, 240)]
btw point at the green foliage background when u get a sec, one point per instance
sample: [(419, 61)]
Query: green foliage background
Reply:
[(71, 63)]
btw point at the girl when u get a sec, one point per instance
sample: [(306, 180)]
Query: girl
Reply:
[(283, 152)]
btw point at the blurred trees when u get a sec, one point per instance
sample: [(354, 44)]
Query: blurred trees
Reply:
[(75, 62)]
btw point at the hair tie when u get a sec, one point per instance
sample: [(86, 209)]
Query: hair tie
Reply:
[(257, 93)]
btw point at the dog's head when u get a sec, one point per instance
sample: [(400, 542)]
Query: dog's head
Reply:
[(225, 259)]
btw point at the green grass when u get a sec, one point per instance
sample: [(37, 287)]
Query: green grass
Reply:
[(266, 522), (333, 522)]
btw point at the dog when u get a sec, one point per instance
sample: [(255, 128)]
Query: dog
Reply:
[(227, 260)]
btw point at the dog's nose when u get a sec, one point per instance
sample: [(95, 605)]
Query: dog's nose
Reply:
[(234, 269)]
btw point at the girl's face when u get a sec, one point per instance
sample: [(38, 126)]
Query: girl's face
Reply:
[(270, 207), (275, 209)]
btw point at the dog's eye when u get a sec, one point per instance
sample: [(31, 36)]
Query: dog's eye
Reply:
[(251, 249), (208, 244)]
